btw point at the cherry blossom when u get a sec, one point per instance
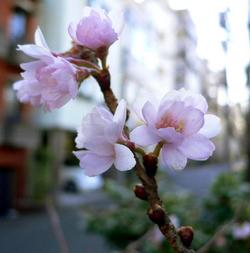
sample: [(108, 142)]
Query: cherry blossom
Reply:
[(101, 136), (241, 231), (49, 81), (181, 124), (97, 29)]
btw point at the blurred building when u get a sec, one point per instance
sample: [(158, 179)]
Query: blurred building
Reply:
[(17, 23)]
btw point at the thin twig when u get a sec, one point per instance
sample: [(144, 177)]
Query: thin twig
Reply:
[(220, 231), (56, 226), (134, 246)]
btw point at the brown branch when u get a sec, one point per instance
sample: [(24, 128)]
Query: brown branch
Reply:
[(161, 218), (156, 211), (103, 79)]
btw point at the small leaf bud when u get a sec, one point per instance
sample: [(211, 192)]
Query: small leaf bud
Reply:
[(157, 215), (140, 192), (186, 235), (150, 162)]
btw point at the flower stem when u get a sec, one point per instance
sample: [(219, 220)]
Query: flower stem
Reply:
[(140, 151), (83, 63), (157, 149)]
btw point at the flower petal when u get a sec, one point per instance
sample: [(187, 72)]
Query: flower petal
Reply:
[(192, 120), (72, 32), (39, 39), (189, 98), (99, 145), (93, 125), (124, 158), (170, 135), (149, 113), (144, 136), (120, 114), (32, 66), (34, 51), (211, 127), (197, 147), (92, 163), (195, 100), (173, 158), (112, 132)]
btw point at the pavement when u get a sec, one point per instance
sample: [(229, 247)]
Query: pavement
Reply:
[(33, 233), (197, 180)]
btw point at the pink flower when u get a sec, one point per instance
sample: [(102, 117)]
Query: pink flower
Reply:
[(241, 231), (101, 134), (181, 123), (96, 29), (49, 81)]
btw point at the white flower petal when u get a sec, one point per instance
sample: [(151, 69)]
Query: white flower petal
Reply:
[(149, 113), (120, 114), (18, 84), (92, 163), (192, 120), (112, 132), (144, 136), (99, 145), (39, 39), (211, 127), (72, 32), (189, 98), (197, 147), (31, 66), (173, 158), (193, 99), (34, 51), (170, 135), (124, 158)]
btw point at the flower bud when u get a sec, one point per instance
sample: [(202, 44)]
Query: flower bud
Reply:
[(97, 30), (186, 235), (150, 162), (140, 192), (157, 215)]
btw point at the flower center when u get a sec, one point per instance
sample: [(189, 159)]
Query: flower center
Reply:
[(167, 120)]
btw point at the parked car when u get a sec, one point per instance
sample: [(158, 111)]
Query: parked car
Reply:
[(73, 179)]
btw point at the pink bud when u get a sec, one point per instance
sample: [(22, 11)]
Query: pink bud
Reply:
[(97, 29)]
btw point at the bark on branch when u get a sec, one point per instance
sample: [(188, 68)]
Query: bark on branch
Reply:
[(156, 211)]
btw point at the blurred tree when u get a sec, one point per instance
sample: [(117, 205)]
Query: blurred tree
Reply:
[(248, 128), (248, 109)]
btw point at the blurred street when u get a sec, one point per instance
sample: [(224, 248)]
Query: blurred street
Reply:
[(197, 180), (33, 233)]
